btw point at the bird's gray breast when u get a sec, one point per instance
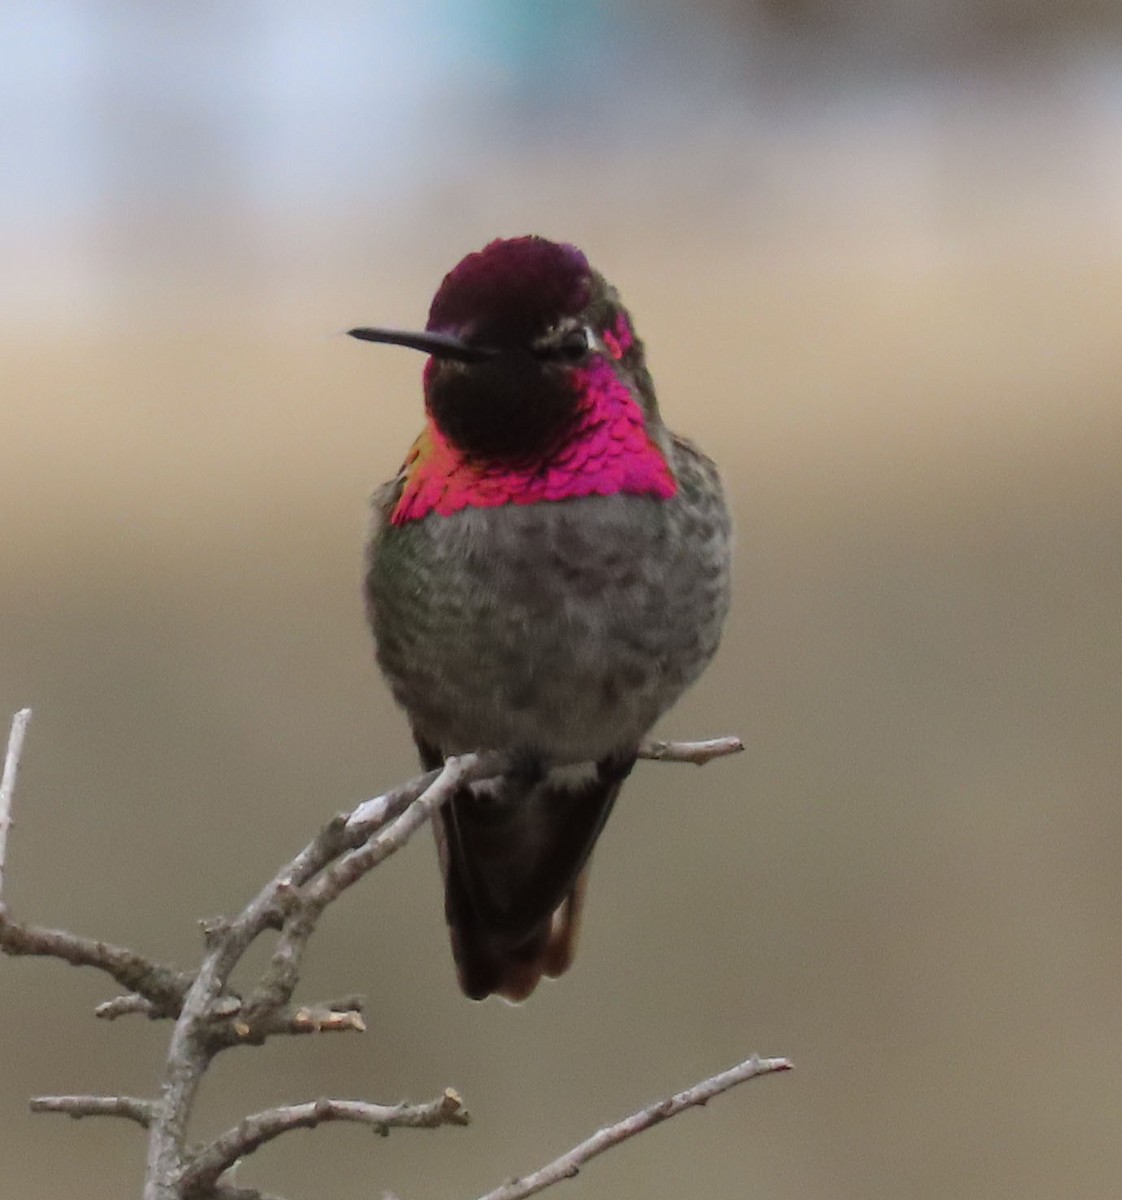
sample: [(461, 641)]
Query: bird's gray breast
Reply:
[(562, 629)]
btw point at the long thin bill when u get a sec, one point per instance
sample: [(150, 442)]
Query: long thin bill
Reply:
[(439, 345)]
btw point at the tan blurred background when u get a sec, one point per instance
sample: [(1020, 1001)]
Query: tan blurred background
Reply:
[(876, 254)]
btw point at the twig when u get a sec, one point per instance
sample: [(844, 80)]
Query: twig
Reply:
[(277, 984), (307, 1018), (354, 865), (210, 1018), (375, 830), (8, 784), (374, 815), (189, 1052), (125, 1006), (388, 822), (238, 1193), (192, 1044), (129, 1107), (162, 985), (329, 1016), (698, 753), (253, 1132), (381, 810), (570, 1163)]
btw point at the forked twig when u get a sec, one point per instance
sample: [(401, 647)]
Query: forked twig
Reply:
[(252, 1132), (209, 1017)]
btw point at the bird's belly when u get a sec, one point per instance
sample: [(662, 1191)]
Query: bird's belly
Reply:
[(545, 629), (551, 683), (562, 692)]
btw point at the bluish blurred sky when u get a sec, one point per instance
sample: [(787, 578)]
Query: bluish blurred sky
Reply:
[(141, 139), (137, 137), (290, 103)]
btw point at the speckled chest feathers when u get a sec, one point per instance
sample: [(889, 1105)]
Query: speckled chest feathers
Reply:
[(562, 628)]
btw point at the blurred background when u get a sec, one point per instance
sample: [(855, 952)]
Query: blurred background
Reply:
[(875, 250)]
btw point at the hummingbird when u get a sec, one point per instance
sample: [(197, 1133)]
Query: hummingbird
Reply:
[(546, 574)]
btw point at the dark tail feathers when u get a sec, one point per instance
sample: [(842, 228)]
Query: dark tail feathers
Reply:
[(514, 857)]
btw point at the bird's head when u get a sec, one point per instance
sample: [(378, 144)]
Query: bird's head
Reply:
[(520, 334)]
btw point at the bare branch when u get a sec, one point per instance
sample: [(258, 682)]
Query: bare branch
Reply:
[(316, 1018), (375, 814), (125, 1006), (253, 1132), (372, 815), (238, 1193), (193, 1043), (455, 773), (388, 821), (190, 1050), (329, 1016), (252, 1030), (162, 985), (352, 866), (385, 824), (698, 753), (210, 1018), (570, 1163), (129, 1107), (18, 731)]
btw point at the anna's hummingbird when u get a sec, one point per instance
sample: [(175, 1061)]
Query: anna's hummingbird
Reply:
[(547, 573)]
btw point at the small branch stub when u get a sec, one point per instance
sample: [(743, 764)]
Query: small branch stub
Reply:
[(698, 753), (12, 756), (129, 1107)]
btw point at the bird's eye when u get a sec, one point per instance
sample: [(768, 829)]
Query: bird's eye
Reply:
[(574, 345)]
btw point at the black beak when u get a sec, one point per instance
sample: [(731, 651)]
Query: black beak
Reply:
[(439, 345)]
